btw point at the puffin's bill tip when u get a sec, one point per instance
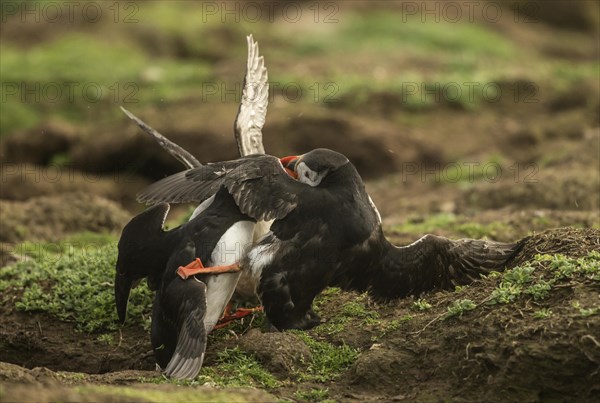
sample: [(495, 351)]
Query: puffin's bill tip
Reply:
[(286, 160)]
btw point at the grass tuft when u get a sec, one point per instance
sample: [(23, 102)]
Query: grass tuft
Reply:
[(236, 367), (328, 361)]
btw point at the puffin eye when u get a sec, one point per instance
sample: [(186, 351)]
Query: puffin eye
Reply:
[(306, 174)]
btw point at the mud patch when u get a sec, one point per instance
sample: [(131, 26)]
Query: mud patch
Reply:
[(53, 217), (33, 340), (282, 353)]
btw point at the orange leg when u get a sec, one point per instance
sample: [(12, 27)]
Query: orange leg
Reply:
[(196, 267), (238, 314)]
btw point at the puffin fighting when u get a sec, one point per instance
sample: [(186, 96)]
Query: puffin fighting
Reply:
[(296, 225)]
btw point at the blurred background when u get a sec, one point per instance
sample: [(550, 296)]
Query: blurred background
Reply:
[(475, 119)]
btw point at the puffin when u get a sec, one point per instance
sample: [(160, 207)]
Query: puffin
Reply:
[(184, 311), (247, 126), (326, 231)]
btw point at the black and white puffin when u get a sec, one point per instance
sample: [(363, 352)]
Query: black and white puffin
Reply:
[(326, 232), (184, 312), (248, 126)]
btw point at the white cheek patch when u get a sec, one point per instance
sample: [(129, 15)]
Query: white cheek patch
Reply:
[(308, 176)]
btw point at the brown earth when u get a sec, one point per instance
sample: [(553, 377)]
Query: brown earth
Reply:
[(493, 353)]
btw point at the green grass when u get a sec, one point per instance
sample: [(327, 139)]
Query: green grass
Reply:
[(186, 43), (70, 75), (542, 313), (352, 313), (328, 361), (236, 367), (536, 279), (73, 281)]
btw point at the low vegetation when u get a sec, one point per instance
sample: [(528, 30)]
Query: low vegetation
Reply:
[(73, 280)]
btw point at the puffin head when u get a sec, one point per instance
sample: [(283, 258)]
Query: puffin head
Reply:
[(311, 168)]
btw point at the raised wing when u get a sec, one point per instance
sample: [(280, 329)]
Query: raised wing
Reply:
[(259, 185), (253, 107), (435, 262), (175, 150)]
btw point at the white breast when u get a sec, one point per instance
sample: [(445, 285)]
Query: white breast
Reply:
[(231, 248)]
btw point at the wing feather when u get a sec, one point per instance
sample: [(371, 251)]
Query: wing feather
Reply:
[(175, 150), (253, 107), (435, 262), (259, 185), (186, 301)]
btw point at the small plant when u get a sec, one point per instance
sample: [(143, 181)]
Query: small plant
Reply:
[(519, 275), (421, 305), (506, 292), (357, 309), (106, 338), (585, 311), (460, 288), (492, 275), (539, 290), (589, 311), (458, 307), (562, 266), (542, 313)]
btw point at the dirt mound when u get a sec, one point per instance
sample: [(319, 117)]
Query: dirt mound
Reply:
[(520, 352), (30, 341), (51, 218), (568, 241), (374, 147), (21, 182), (38, 145), (43, 385), (552, 189), (281, 353), (574, 15)]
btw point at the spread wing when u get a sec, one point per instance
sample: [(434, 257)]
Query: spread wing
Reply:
[(435, 262), (253, 107), (176, 151), (259, 185), (250, 118)]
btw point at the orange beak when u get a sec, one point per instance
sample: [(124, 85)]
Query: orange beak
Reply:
[(289, 164)]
